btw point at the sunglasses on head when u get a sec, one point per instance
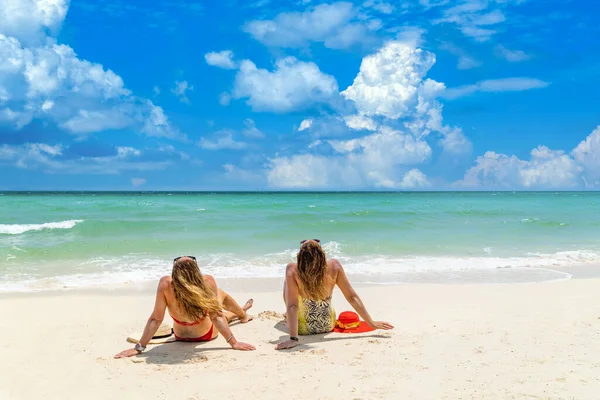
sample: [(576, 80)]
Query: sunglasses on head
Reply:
[(306, 240), (192, 257)]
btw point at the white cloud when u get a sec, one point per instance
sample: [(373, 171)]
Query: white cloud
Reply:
[(243, 176), (392, 84), (54, 159), (222, 140), (414, 179), (546, 169), (137, 182), (496, 85), (465, 61), (224, 99), (305, 124), (378, 5), (410, 35), (370, 161), (251, 131), (29, 20), (338, 25), (511, 55), (388, 82), (293, 85), (302, 171), (42, 79), (222, 59), (180, 90), (89, 121), (433, 3), (360, 122), (587, 154), (156, 90), (474, 18)]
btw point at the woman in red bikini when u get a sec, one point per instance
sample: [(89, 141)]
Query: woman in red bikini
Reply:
[(196, 307)]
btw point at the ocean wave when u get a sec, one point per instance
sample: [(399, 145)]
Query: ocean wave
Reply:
[(17, 229), (131, 269)]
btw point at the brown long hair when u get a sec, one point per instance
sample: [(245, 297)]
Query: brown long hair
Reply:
[(312, 270), (195, 298)]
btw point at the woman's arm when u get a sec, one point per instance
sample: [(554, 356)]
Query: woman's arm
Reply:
[(221, 322), (153, 323), (291, 301), (352, 297)]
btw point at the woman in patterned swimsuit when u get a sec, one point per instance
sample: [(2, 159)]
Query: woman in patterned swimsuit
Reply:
[(307, 291)]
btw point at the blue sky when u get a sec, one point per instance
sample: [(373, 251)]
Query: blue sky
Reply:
[(294, 95)]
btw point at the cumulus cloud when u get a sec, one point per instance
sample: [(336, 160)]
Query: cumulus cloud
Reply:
[(42, 79), (496, 85), (371, 161), (221, 140), (293, 85), (222, 59), (338, 26), (360, 122), (546, 168), (180, 90), (389, 80), (587, 154), (414, 179), (391, 84), (30, 21)]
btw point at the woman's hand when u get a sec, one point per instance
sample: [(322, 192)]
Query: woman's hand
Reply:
[(286, 345), (127, 353), (381, 325), (243, 346)]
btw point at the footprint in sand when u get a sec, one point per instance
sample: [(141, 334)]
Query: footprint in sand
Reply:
[(270, 315), (196, 360)]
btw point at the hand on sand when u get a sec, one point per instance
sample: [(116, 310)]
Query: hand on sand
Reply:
[(127, 353), (243, 346), (381, 325), (286, 345)]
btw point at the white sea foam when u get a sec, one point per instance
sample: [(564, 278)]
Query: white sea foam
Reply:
[(17, 229), (133, 269)]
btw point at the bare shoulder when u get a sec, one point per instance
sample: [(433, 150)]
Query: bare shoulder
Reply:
[(164, 283), (210, 280), (291, 269), (334, 264)]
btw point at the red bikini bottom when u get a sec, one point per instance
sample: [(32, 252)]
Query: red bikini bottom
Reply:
[(204, 338)]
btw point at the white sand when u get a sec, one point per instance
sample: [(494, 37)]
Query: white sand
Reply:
[(532, 341)]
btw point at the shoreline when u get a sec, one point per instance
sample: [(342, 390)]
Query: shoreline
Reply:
[(497, 276)]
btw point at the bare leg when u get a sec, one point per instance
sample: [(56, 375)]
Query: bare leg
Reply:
[(233, 309), (285, 298)]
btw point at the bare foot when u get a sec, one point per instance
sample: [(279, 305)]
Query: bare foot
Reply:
[(246, 307)]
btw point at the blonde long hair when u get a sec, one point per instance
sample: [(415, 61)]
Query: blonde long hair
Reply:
[(312, 270), (195, 298)]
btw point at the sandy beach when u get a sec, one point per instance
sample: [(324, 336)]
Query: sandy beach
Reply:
[(512, 341)]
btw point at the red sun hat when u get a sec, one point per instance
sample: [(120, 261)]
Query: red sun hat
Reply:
[(348, 322)]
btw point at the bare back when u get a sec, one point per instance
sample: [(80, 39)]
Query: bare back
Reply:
[(199, 328), (333, 269)]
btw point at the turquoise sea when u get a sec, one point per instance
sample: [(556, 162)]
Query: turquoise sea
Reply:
[(55, 240)]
